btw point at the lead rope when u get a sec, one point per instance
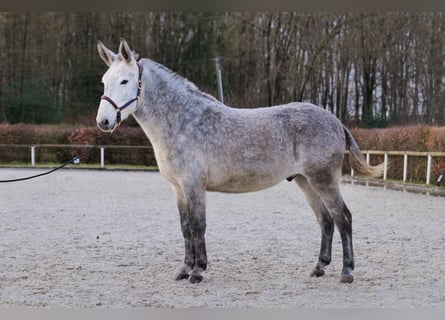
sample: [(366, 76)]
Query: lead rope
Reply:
[(101, 141)]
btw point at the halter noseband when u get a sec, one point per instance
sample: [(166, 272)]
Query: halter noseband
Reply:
[(119, 109)]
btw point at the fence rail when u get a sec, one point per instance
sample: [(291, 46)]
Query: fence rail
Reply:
[(406, 154), (102, 149), (386, 154)]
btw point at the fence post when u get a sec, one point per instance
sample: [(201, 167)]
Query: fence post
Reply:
[(385, 166), (102, 157), (33, 156), (405, 167), (428, 170)]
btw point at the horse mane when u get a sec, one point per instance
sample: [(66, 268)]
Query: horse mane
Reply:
[(180, 81)]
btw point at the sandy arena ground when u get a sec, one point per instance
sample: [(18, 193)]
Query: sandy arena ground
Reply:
[(80, 238)]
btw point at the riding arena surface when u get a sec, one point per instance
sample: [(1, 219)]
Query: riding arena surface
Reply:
[(85, 238)]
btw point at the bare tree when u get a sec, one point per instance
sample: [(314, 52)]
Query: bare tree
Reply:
[(371, 69)]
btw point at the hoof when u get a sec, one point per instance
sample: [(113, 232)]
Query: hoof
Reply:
[(346, 278), (195, 279), (317, 273), (182, 276)]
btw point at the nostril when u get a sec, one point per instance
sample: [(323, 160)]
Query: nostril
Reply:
[(105, 124)]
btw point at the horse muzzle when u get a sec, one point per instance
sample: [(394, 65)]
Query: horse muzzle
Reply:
[(105, 125), (109, 124), (108, 119)]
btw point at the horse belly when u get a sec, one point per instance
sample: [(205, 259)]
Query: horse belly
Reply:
[(243, 181), (241, 185)]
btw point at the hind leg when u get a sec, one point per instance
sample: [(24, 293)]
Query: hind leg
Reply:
[(330, 195), (326, 225)]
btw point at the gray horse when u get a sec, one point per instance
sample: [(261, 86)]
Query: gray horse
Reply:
[(203, 145)]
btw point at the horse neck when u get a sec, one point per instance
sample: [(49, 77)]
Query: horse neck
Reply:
[(170, 102)]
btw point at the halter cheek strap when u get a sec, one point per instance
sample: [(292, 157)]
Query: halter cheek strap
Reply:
[(129, 102)]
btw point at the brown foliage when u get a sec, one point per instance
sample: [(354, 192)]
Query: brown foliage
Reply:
[(407, 138), (32, 135), (37, 135), (124, 136)]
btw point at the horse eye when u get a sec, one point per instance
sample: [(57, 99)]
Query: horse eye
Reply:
[(124, 81)]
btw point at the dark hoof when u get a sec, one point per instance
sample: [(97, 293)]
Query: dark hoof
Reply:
[(195, 279), (182, 276), (346, 278), (317, 273)]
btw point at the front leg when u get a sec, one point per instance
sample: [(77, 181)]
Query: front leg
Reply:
[(189, 260), (191, 205)]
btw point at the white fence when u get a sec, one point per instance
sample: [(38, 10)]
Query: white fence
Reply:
[(406, 154), (386, 154), (33, 149)]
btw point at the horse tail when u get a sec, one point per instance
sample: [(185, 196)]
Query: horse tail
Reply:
[(358, 161)]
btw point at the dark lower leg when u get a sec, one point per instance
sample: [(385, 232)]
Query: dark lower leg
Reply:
[(197, 230), (189, 260), (200, 263), (348, 253), (324, 259)]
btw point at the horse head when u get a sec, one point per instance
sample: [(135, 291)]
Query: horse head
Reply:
[(122, 86)]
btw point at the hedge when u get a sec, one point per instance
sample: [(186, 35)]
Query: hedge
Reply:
[(407, 138), (49, 134)]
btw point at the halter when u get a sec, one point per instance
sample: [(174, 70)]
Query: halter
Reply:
[(119, 109)]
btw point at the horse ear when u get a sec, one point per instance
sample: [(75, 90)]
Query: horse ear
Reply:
[(106, 54), (125, 51)]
